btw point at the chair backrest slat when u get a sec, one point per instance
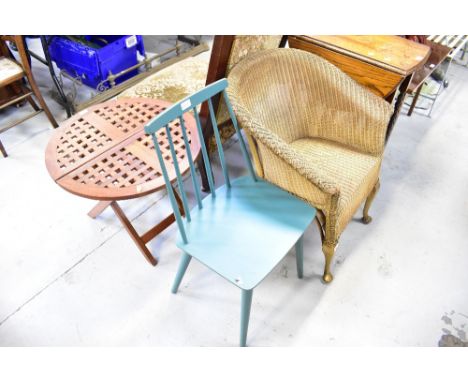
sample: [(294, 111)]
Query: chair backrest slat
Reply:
[(206, 159), (245, 154), (187, 104), (196, 185), (218, 143), (180, 182), (176, 113), (169, 189)]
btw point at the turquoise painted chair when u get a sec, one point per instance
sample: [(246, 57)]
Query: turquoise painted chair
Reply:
[(246, 227)]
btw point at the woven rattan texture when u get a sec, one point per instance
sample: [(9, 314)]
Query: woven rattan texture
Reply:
[(320, 135), (104, 154)]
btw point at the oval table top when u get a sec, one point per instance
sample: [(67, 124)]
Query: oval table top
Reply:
[(103, 152)]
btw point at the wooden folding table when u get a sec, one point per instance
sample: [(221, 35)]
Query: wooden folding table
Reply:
[(102, 153)]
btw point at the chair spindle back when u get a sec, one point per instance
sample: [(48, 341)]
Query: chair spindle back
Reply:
[(175, 113)]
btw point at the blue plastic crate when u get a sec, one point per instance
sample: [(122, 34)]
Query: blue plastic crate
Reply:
[(94, 63)]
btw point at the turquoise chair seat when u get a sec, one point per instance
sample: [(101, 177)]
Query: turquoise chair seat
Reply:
[(245, 231), (245, 227)]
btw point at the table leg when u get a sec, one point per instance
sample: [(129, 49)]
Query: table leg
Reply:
[(140, 240), (398, 104), (415, 100), (133, 234), (391, 97), (99, 208)]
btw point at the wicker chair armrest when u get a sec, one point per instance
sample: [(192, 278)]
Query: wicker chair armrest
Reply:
[(361, 119), (311, 171)]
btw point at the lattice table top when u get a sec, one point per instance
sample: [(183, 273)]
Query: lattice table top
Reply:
[(103, 153)]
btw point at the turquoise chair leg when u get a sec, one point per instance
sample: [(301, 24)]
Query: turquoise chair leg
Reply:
[(246, 303), (300, 258), (184, 262)]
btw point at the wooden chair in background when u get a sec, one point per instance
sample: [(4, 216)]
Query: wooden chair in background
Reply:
[(12, 82)]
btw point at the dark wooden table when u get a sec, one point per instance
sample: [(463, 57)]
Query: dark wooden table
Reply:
[(102, 153), (384, 64), (438, 54)]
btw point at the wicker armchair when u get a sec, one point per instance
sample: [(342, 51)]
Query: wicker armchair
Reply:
[(313, 131)]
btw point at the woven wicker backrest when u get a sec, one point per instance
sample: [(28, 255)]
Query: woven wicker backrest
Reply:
[(297, 94), (175, 113)]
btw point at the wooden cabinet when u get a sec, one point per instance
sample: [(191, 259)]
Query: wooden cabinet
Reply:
[(383, 64), (378, 62)]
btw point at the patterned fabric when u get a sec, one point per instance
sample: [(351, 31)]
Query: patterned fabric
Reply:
[(241, 48), (172, 83), (244, 45), (319, 134), (188, 76)]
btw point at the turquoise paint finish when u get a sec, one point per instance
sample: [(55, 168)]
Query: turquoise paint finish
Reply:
[(241, 140), (184, 263), (185, 105), (245, 231), (193, 173), (251, 224), (300, 258), (219, 144), (206, 158), (170, 191), (246, 303), (180, 181)]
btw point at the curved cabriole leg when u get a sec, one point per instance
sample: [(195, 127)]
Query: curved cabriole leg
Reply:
[(366, 219), (328, 247), (328, 250)]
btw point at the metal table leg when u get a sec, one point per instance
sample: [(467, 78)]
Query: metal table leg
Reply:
[(69, 107)]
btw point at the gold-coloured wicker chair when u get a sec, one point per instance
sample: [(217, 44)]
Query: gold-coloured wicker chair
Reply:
[(313, 131)]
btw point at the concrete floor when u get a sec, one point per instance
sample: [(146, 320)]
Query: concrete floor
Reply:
[(66, 279)]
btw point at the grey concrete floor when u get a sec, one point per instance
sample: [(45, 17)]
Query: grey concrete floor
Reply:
[(66, 279)]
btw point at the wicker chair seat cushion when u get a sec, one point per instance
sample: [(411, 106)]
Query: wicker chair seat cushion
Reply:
[(355, 173)]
